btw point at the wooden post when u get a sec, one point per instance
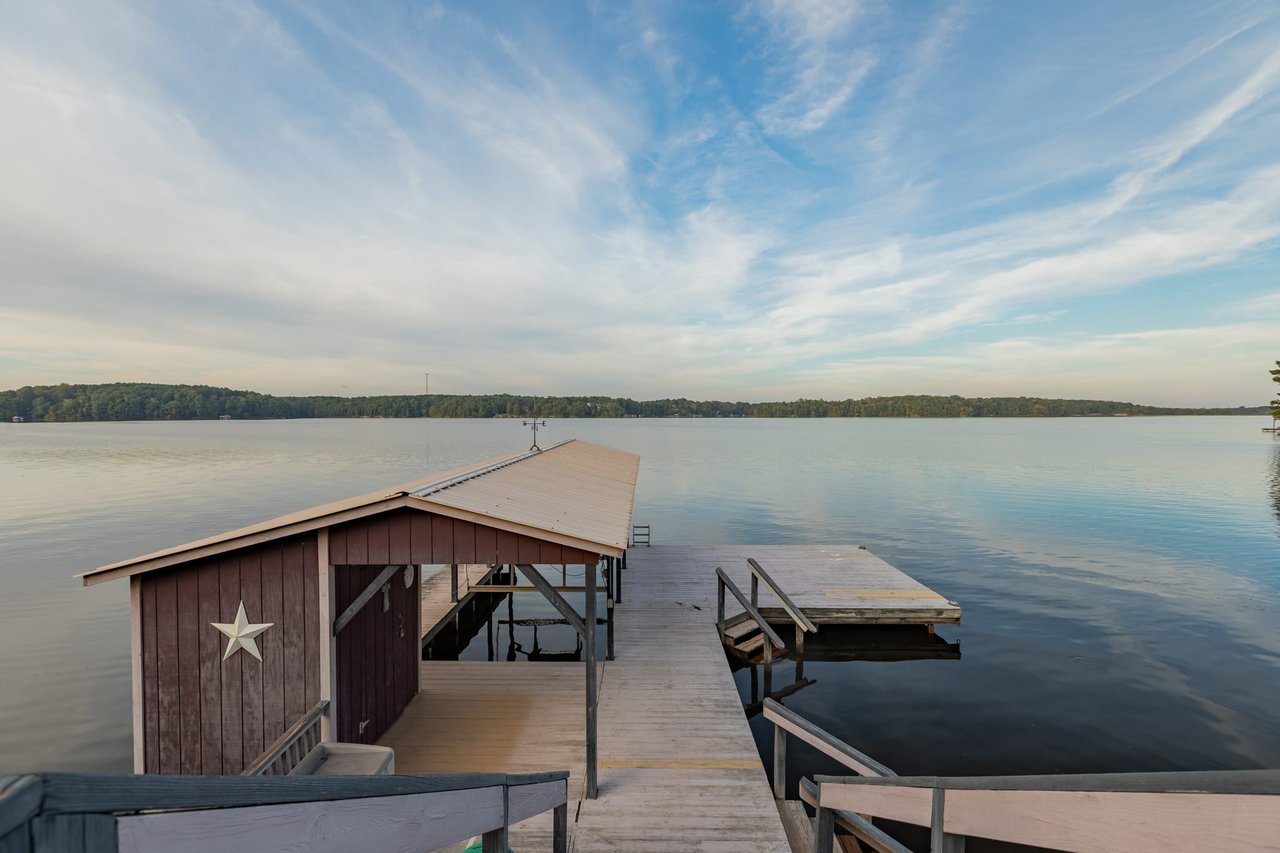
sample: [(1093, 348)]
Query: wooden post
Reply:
[(328, 643), (824, 832), (940, 840), (779, 762), (617, 571), (495, 840), (799, 641), (608, 608), (720, 605), (590, 640), (936, 818), (560, 832), (609, 629), (453, 582), (755, 591), (135, 668), (768, 668)]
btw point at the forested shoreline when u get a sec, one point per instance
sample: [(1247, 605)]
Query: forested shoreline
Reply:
[(128, 401)]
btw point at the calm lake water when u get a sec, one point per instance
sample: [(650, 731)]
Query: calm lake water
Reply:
[(1120, 577)]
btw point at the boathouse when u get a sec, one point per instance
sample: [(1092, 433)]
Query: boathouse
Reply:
[(240, 638)]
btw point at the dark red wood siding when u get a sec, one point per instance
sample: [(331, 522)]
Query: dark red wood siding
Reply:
[(378, 652), (423, 538), (204, 715)]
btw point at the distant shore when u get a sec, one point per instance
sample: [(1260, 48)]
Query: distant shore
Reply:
[(130, 401)]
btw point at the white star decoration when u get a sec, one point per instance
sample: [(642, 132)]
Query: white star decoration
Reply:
[(240, 634)]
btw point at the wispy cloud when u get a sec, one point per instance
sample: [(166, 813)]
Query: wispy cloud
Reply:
[(818, 69)]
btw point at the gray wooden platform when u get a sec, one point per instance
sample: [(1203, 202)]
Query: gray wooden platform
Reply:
[(832, 584), (678, 767)]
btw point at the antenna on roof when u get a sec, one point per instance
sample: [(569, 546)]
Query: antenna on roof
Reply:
[(535, 423)]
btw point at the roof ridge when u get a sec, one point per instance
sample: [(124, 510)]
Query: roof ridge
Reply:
[(449, 482)]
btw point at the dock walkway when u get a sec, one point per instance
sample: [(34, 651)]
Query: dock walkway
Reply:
[(678, 767)]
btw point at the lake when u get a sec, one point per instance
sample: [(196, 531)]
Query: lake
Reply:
[(1119, 576)]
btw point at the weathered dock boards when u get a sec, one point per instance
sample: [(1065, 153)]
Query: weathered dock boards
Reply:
[(678, 766), (832, 584), (483, 716)]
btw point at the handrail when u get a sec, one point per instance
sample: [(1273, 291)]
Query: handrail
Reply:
[(77, 813), (864, 830), (786, 720), (1167, 811), (725, 582), (788, 605), (291, 735)]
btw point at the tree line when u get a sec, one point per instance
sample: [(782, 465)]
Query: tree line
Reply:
[(136, 401)]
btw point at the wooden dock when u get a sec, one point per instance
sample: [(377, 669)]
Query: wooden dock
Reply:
[(832, 584), (678, 764)]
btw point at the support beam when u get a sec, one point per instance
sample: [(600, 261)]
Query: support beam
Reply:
[(589, 640), (327, 641), (135, 668), (363, 598), (557, 600)]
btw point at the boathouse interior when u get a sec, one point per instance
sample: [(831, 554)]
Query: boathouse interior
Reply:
[(337, 588)]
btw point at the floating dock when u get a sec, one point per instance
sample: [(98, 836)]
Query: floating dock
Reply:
[(677, 760)]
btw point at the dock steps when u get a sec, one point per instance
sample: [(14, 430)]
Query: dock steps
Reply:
[(749, 645), (745, 628)]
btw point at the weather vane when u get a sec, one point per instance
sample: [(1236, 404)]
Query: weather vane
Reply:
[(535, 423)]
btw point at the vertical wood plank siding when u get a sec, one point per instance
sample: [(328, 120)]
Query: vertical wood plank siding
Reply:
[(378, 653), (203, 715), (424, 538)]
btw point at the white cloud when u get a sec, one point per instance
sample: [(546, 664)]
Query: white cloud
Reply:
[(819, 70)]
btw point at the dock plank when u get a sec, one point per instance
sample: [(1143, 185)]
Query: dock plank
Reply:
[(678, 766)]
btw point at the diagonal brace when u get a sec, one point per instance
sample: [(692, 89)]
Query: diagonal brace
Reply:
[(557, 600), (363, 598)]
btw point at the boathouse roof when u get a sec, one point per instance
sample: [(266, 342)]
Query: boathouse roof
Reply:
[(574, 493)]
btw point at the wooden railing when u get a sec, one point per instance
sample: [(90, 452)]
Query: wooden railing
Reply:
[(787, 723), (772, 640), (69, 813), (291, 747), (1170, 812), (802, 622)]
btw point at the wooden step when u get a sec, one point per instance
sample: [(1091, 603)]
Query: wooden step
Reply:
[(750, 645), (733, 633)]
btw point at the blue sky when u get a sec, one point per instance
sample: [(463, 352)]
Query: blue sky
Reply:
[(747, 200)]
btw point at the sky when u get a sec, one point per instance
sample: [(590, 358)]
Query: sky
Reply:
[(746, 201)]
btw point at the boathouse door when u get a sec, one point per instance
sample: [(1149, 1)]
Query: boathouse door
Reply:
[(378, 648)]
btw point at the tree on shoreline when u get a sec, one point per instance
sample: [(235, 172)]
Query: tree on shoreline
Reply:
[(1275, 404)]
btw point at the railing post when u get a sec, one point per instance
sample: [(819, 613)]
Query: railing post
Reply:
[(590, 642), (779, 762), (560, 831), (720, 604), (453, 582), (936, 819), (755, 591), (824, 831), (799, 639)]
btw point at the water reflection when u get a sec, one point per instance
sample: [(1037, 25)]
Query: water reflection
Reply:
[(1275, 479), (836, 643)]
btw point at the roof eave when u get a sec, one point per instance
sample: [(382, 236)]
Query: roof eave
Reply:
[(128, 568)]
